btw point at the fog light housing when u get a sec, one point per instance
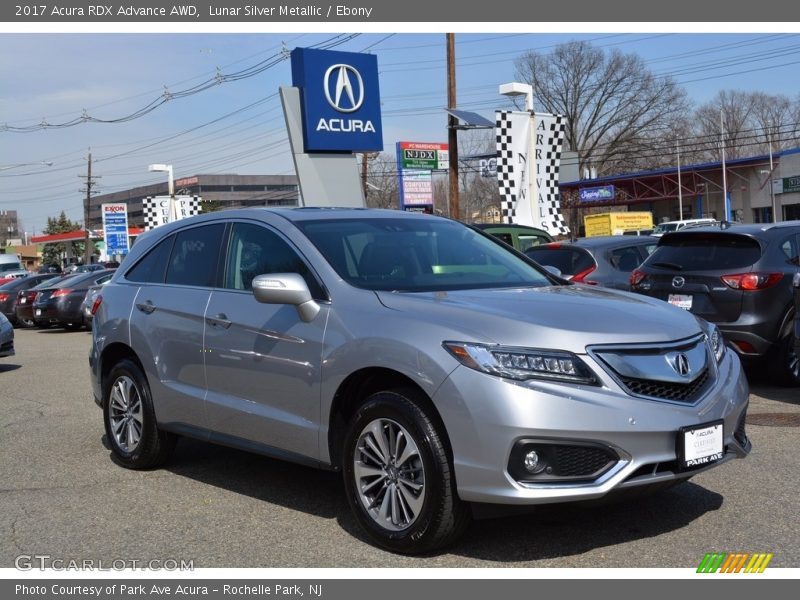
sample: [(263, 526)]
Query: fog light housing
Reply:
[(533, 463), (564, 461)]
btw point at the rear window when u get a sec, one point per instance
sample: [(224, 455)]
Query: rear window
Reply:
[(704, 252), (567, 260)]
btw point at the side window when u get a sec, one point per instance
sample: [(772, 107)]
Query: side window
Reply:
[(152, 267), (506, 237), (625, 259), (790, 248), (529, 241), (194, 256), (254, 250)]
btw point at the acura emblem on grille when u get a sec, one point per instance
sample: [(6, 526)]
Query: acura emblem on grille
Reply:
[(678, 281), (681, 365)]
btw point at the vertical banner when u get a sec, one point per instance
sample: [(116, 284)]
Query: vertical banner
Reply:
[(115, 228), (549, 138), (512, 135), (529, 188), (156, 209)]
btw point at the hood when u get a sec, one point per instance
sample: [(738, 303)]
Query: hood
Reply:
[(568, 317)]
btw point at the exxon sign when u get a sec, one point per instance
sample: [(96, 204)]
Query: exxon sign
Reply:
[(340, 99)]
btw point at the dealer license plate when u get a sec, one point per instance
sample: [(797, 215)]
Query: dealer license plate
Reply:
[(701, 444), (683, 301), (38, 312), (23, 300)]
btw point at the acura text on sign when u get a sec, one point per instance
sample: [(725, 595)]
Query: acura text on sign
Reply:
[(340, 100)]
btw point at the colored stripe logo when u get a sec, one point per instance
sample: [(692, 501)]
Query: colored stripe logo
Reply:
[(741, 562)]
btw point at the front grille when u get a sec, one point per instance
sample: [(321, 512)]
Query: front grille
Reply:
[(665, 390), (579, 461)]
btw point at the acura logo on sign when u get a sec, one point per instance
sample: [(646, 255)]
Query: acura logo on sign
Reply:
[(339, 85), (681, 365), (678, 281)]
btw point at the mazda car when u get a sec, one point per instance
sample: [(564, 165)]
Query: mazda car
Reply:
[(438, 370), (738, 277)]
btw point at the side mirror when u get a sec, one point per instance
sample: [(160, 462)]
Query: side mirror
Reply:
[(286, 288)]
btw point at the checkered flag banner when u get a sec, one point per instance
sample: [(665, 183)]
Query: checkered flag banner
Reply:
[(155, 209), (522, 200), (512, 135), (549, 133)]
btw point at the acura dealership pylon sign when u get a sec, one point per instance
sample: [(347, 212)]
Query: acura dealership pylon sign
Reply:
[(340, 100)]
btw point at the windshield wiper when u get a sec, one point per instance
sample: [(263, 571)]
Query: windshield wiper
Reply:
[(668, 265)]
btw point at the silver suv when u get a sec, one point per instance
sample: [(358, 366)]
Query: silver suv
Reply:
[(435, 367)]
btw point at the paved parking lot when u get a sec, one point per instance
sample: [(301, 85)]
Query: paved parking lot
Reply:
[(62, 495)]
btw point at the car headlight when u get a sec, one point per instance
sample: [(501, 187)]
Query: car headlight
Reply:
[(522, 363), (717, 342)]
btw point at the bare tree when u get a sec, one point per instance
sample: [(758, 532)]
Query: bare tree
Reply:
[(478, 193), (750, 119), (382, 185), (617, 111)]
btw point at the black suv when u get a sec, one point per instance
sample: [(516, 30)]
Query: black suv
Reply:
[(739, 278)]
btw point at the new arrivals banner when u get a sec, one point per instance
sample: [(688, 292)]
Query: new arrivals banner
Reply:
[(512, 131), (529, 189)]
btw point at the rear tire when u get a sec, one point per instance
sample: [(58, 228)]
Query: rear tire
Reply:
[(398, 477), (787, 361), (130, 422)]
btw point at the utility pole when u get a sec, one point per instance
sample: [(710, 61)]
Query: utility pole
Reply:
[(364, 175), (90, 183), (452, 123)]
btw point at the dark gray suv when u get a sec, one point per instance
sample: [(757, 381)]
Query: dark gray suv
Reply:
[(739, 278), (435, 367)]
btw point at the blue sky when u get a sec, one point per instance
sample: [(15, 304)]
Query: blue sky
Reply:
[(237, 127)]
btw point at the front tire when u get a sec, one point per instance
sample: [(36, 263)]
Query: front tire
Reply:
[(398, 478), (130, 423)]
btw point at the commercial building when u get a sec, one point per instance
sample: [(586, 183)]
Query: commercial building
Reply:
[(751, 189), (216, 191), (9, 227)]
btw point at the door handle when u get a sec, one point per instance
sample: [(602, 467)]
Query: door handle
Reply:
[(220, 320), (146, 307)]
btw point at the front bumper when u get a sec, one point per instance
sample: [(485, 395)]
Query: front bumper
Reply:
[(486, 416)]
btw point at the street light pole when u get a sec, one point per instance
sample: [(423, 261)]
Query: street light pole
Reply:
[(680, 191), (523, 89), (771, 171), (173, 214), (43, 163)]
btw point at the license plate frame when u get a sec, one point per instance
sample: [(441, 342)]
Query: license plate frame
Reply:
[(683, 301), (701, 445)]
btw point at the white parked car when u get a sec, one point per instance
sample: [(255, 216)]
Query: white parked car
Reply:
[(668, 226)]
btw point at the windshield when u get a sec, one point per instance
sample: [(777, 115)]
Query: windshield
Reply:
[(705, 252), (10, 266), (665, 228), (417, 255)]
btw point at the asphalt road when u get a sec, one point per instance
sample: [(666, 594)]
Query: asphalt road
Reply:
[(61, 495)]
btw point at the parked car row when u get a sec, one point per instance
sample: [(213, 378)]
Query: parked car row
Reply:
[(44, 300)]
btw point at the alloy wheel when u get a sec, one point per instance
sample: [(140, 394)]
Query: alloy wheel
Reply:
[(125, 414), (389, 474)]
